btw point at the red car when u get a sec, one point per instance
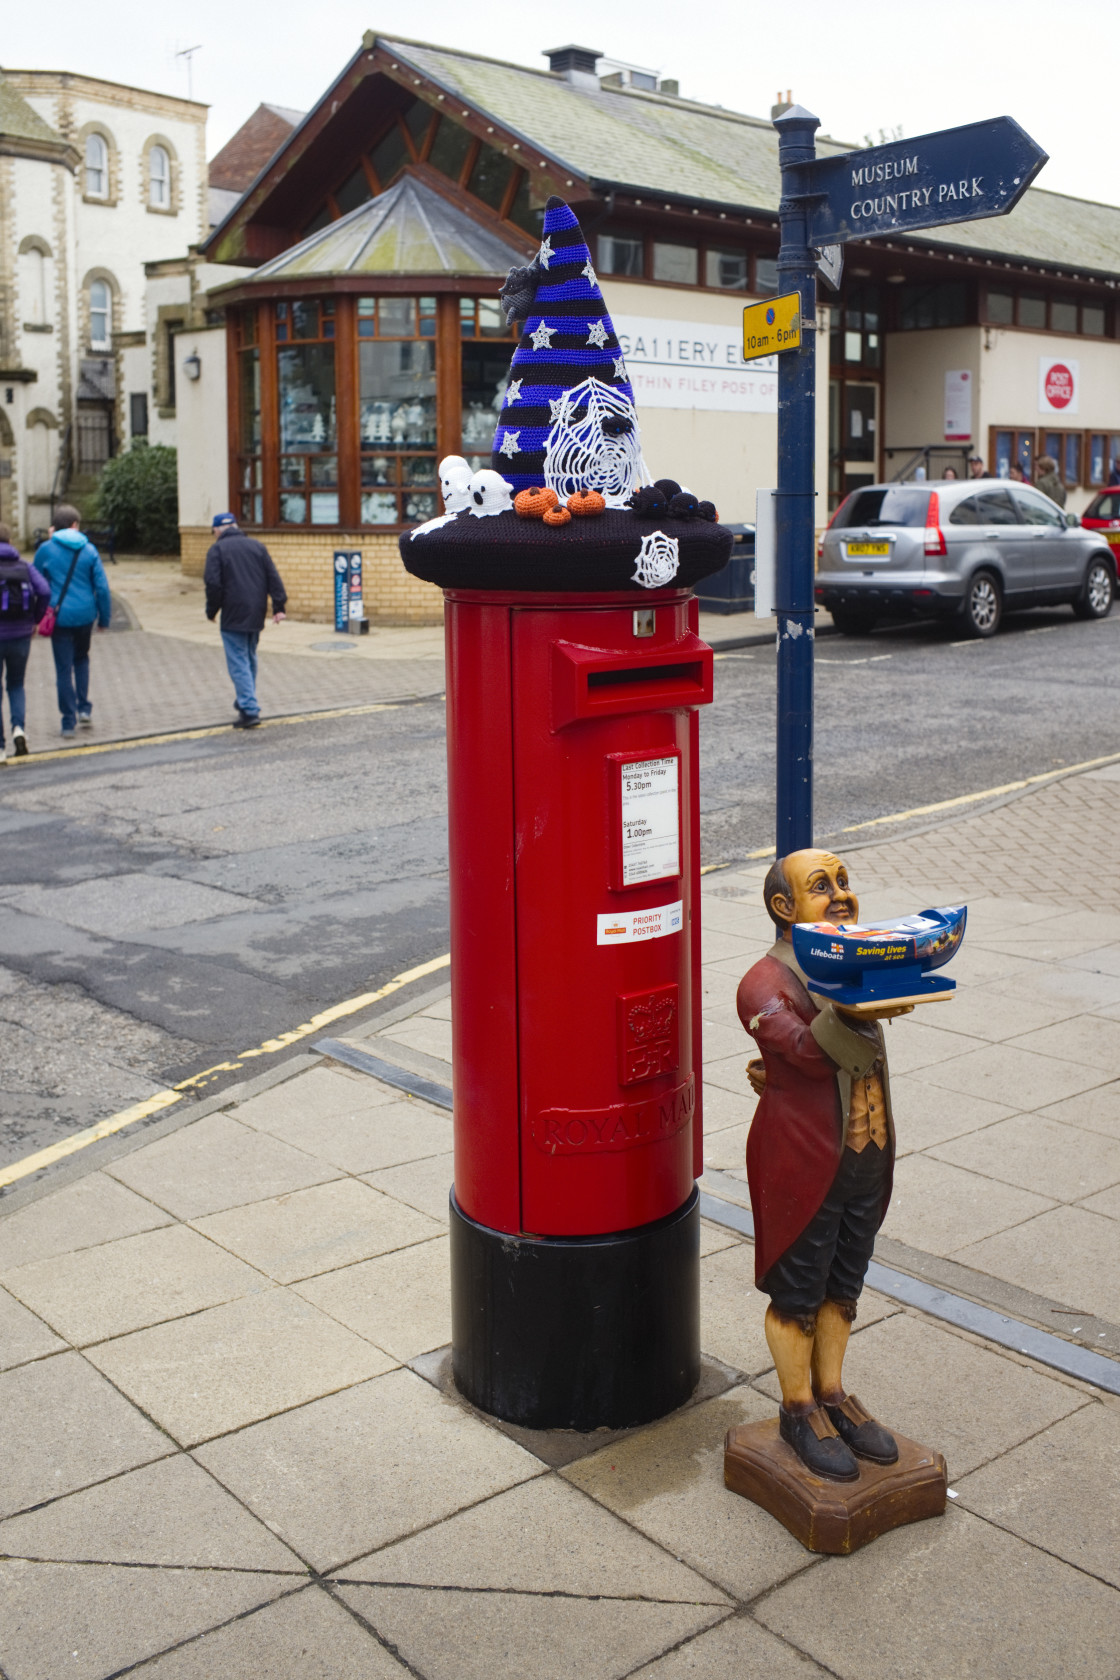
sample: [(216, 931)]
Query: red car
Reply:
[(1103, 515)]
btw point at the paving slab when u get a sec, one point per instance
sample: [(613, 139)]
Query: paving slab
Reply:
[(715, 1237), (421, 1032), (540, 1537), (941, 1208), (386, 1134), (65, 1427), (216, 1163), (1060, 1491), (738, 1649), (355, 1470), (319, 1093), (91, 1620), (1016, 1076), (1092, 1040), (94, 1210), (726, 1108), (133, 1282), (169, 1513), (1097, 1110), (425, 1185), (915, 1041), (487, 1635), (667, 1482), (1069, 1253), (23, 1337), (402, 1301), (997, 1011), (310, 1231), (219, 1370), (925, 1114), (306, 1636), (1038, 1154), (730, 1072), (1106, 1202), (947, 1392), (950, 1596), (726, 1151)]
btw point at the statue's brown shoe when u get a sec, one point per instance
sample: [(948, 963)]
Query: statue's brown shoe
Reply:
[(817, 1444), (855, 1426)]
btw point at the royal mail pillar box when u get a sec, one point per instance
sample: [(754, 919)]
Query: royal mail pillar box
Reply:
[(575, 953)]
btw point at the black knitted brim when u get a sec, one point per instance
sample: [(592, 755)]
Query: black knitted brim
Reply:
[(588, 555)]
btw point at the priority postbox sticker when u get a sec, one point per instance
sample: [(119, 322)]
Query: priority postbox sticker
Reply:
[(624, 928)]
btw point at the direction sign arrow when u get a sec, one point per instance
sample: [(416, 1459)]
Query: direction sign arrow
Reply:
[(957, 175)]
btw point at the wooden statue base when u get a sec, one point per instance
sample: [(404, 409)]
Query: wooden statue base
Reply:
[(833, 1516)]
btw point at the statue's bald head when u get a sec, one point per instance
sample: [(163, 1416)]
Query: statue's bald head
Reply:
[(808, 886)]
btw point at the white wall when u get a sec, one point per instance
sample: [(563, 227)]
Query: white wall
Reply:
[(914, 390), (202, 427), (723, 456)]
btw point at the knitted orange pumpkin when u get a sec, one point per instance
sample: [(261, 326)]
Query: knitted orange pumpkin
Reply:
[(586, 502), (535, 503), (557, 515)]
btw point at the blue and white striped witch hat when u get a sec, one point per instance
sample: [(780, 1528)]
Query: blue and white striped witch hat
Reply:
[(568, 419)]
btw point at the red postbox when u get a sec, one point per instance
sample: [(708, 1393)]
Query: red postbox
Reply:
[(574, 674), (573, 813)]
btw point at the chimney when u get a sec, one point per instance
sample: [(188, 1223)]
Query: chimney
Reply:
[(576, 64), (782, 105)]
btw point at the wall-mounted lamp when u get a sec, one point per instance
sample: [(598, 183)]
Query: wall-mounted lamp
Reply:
[(192, 366)]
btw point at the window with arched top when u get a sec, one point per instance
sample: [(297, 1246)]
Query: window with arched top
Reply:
[(33, 286), (159, 178), (97, 167), (100, 315)]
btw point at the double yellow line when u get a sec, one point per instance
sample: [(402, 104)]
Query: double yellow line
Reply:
[(165, 1099)]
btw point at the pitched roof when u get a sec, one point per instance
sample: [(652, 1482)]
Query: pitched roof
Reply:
[(245, 153), (410, 229), (623, 137), (25, 133)]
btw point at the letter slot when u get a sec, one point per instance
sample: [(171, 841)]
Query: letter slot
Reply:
[(594, 683)]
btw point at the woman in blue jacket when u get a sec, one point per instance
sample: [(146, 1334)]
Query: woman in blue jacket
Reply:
[(80, 597)]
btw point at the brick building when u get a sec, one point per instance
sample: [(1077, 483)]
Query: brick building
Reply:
[(366, 342)]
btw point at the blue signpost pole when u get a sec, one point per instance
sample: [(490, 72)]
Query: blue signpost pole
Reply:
[(795, 505)]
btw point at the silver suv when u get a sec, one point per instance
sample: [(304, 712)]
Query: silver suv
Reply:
[(970, 550)]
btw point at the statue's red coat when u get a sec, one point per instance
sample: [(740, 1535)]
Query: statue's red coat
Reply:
[(796, 1136)]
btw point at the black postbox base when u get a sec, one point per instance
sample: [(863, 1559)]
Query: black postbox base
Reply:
[(577, 1332)]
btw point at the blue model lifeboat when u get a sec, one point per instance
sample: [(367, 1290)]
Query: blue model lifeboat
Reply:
[(892, 962)]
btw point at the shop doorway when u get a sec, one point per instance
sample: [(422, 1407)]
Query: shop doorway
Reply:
[(853, 436)]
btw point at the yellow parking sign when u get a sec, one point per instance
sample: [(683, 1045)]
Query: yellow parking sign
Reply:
[(772, 325)]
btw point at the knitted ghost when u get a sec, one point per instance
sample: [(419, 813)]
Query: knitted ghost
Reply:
[(454, 482), (489, 494)]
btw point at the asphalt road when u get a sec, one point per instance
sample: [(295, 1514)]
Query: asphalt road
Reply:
[(163, 908)]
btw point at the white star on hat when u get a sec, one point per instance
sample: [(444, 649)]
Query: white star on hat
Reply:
[(557, 405), (545, 253), (514, 393), (588, 272), (510, 444), (542, 336), (619, 368), (598, 334)]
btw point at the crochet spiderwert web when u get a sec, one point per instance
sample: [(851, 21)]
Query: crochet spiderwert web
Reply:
[(658, 561), (585, 452)]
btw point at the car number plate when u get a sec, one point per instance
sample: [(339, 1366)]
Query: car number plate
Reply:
[(862, 548), (1112, 537)]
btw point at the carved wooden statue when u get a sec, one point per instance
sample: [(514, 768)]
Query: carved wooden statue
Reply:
[(819, 1162)]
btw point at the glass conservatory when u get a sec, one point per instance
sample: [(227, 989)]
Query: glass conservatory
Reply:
[(351, 379)]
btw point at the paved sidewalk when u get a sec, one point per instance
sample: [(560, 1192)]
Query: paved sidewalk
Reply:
[(162, 668), (231, 1451), (166, 670)]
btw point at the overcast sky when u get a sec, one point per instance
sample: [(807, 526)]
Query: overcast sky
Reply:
[(861, 65)]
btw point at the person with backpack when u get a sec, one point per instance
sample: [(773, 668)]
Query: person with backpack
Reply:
[(24, 594), (79, 599)]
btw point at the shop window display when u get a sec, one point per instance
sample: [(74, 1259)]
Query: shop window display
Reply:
[(486, 358), (397, 410)]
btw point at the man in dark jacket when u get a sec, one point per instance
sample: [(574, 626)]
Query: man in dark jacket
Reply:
[(24, 594), (240, 577)]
